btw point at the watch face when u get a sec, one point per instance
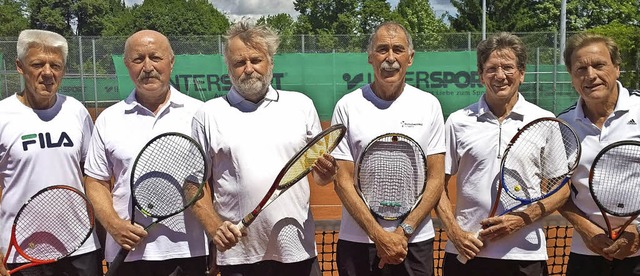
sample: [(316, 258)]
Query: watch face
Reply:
[(407, 229)]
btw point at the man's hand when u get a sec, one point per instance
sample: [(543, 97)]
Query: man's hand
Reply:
[(324, 169), (626, 245), (3, 269), (495, 228), (467, 243), (391, 247), (227, 236), (127, 235)]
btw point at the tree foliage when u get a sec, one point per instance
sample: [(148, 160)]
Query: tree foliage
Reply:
[(421, 22), (627, 37), (12, 20)]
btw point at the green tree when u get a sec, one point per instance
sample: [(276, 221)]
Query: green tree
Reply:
[(52, 15), (170, 17), (284, 24), (12, 20), (421, 22), (90, 15), (323, 14), (542, 15), (373, 13), (627, 38)]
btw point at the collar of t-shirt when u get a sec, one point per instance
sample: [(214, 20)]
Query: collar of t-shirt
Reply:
[(235, 99), (175, 100), (622, 105), (517, 113)]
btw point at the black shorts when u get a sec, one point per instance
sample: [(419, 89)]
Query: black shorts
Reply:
[(273, 268), (354, 258), (490, 267), (587, 265), (88, 264), (170, 267)]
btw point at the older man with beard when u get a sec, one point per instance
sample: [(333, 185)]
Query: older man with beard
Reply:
[(248, 136)]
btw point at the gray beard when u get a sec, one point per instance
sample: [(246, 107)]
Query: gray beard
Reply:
[(253, 89)]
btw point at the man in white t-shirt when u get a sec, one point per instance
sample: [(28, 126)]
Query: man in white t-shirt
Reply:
[(248, 136), (477, 135), (605, 113), (177, 245), (43, 142), (387, 105)]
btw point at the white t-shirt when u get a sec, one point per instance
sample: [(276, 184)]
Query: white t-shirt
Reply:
[(414, 113), (247, 145), (38, 149), (622, 124), (476, 141), (120, 133)]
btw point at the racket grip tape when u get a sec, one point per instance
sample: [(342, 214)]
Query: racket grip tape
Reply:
[(461, 258), (117, 261)]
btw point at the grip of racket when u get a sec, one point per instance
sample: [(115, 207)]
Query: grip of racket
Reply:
[(119, 259), (241, 226), (461, 258)]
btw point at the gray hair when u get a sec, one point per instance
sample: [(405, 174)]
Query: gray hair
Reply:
[(394, 28), (31, 38), (502, 41), (259, 37)]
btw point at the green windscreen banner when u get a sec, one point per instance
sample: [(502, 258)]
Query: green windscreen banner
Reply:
[(325, 78)]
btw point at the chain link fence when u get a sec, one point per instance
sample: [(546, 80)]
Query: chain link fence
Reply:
[(91, 76)]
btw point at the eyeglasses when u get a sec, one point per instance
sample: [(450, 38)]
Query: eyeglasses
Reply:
[(508, 70)]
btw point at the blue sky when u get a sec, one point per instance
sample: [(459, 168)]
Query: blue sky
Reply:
[(237, 9)]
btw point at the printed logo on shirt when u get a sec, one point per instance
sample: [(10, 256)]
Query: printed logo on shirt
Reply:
[(44, 140), (632, 122), (408, 124)]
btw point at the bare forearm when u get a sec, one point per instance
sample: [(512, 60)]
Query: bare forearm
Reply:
[(546, 206), (204, 211), (99, 193), (433, 190), (577, 218), (444, 210), (352, 202)]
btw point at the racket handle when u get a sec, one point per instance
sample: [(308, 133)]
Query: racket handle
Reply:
[(113, 267), (241, 226), (461, 258)]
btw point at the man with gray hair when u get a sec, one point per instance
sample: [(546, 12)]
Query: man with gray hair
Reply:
[(26, 168), (367, 245), (248, 136)]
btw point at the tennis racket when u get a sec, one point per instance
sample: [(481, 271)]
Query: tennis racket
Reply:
[(614, 183), (391, 175), (537, 162), (297, 168), (167, 177), (51, 225)]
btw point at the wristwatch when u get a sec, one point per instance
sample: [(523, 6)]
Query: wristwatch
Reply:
[(407, 229)]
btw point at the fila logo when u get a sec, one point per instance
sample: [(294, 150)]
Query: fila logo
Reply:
[(45, 141), (632, 122)]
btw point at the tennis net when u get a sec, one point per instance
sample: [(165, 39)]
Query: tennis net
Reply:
[(558, 233)]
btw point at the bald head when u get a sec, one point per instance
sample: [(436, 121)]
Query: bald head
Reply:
[(147, 36), (149, 59)]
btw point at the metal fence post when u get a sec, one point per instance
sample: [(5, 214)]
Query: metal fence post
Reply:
[(81, 67), (95, 75)]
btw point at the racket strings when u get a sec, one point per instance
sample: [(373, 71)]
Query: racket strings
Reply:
[(167, 176), (53, 224), (614, 182), (302, 165), (391, 177), (539, 159)]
